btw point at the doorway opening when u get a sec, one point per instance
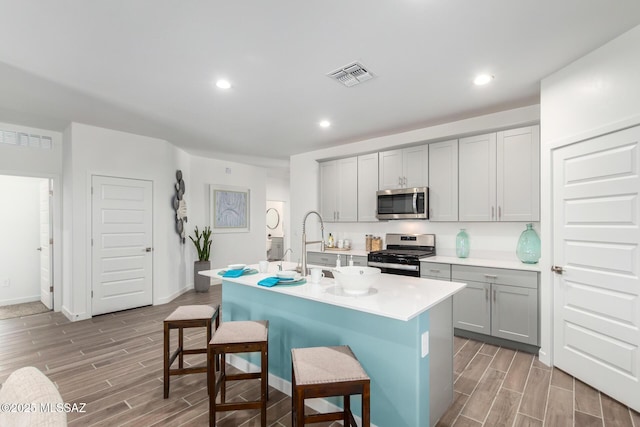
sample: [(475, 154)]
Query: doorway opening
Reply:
[(26, 255)]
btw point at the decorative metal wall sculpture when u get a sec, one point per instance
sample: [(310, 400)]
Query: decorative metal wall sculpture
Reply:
[(180, 206)]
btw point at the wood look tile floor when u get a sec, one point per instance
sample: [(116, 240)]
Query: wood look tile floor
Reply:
[(113, 363), (497, 386)]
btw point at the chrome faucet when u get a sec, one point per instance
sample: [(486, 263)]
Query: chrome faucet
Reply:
[(304, 269), (283, 257)]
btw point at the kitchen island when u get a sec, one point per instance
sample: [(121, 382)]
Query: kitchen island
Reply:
[(401, 332)]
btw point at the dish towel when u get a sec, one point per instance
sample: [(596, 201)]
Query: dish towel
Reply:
[(272, 281), (234, 273)]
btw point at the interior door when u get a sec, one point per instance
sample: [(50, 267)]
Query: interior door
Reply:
[(46, 295), (596, 211), (122, 257)]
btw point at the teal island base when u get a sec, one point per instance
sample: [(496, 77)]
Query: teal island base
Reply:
[(410, 363)]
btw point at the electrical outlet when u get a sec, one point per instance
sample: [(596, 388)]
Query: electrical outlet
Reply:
[(425, 344), (5, 283)]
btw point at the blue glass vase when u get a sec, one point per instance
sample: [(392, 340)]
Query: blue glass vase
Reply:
[(462, 244), (528, 249)]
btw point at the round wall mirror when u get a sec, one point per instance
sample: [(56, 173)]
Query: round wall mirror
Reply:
[(273, 218)]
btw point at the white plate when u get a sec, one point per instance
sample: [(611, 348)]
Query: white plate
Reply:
[(236, 266), (286, 274)]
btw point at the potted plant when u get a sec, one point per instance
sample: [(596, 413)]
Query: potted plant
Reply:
[(202, 243)]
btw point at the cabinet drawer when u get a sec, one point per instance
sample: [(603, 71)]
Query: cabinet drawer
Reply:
[(360, 261), (321, 258), (502, 276), (435, 270)]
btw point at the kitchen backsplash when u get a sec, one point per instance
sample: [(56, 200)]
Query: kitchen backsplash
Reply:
[(493, 240)]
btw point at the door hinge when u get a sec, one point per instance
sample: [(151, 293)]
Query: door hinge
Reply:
[(51, 192), (557, 269), (51, 241), (91, 294), (92, 241), (50, 288)]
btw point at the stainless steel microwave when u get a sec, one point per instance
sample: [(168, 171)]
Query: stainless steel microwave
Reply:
[(404, 203)]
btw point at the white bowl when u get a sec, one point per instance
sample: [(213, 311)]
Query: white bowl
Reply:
[(236, 266), (356, 280), (286, 274)]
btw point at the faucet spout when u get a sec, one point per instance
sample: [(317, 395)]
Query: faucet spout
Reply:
[(283, 257), (304, 268)]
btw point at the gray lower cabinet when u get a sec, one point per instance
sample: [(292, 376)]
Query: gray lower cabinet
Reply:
[(434, 270), (498, 302), (328, 259)]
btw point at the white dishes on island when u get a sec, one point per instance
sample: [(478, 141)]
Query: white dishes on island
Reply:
[(236, 266), (356, 280), (287, 274)]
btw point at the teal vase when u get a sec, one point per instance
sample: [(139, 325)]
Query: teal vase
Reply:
[(528, 249), (462, 244)]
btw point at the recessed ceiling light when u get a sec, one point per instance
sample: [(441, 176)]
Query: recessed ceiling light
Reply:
[(223, 84), (482, 79), (325, 123)]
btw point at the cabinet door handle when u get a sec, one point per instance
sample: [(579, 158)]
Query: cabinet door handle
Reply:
[(490, 276), (494, 295), (492, 212), (486, 294), (434, 270), (405, 181), (399, 181), (499, 212)]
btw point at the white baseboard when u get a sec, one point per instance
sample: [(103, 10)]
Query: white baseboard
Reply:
[(74, 317), (173, 296), (320, 405), (20, 300)]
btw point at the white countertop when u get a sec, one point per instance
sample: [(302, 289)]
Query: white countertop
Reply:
[(483, 262), (396, 297)]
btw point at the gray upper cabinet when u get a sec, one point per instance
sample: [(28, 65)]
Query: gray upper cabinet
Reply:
[(518, 174), (499, 176), (404, 168), (339, 190), (443, 181), (367, 187)]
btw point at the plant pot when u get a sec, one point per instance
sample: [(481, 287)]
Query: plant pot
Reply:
[(201, 283)]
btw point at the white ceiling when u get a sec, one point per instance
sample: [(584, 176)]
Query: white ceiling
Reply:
[(147, 66)]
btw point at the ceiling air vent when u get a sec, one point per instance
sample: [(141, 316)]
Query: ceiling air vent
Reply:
[(351, 75)]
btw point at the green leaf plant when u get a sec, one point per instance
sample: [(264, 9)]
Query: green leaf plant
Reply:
[(202, 243)]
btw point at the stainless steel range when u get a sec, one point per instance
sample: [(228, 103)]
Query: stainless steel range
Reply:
[(403, 253)]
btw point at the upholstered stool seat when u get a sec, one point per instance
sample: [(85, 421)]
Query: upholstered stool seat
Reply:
[(186, 316), (326, 372), (238, 337)]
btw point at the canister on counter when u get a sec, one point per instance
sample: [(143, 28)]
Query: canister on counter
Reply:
[(376, 244), (368, 242)]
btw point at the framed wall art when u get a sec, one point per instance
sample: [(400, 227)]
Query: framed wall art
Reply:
[(229, 209)]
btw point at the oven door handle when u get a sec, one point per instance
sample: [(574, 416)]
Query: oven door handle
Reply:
[(394, 266), (415, 203)]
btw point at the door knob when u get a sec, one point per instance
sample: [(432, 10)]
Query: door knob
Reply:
[(557, 269), (147, 250)]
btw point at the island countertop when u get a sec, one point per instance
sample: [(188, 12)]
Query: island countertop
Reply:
[(397, 297)]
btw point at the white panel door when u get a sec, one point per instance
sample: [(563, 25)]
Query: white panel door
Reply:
[(416, 166), (596, 211), (328, 189), (347, 190), (45, 244), (122, 240), (390, 174)]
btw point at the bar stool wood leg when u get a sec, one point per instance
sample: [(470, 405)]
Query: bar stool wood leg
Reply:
[(238, 337), (189, 316)]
